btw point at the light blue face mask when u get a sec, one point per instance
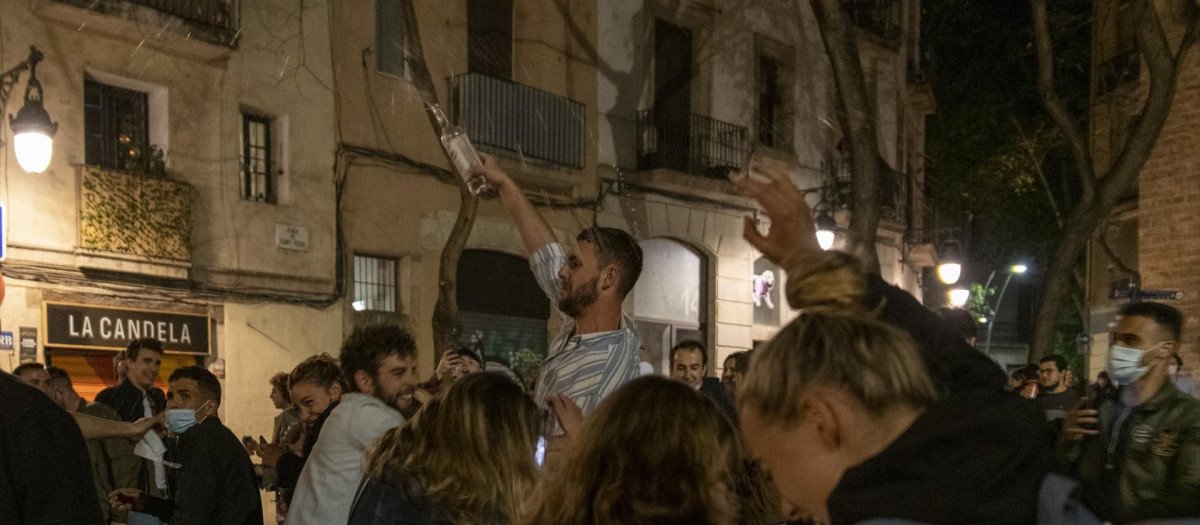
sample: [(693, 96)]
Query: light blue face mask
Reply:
[(1125, 364), (180, 420)]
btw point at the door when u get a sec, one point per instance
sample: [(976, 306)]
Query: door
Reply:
[(672, 94), (490, 37)]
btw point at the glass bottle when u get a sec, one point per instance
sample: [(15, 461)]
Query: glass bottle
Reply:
[(458, 147)]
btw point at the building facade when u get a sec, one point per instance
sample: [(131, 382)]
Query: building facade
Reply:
[(190, 196), (305, 192)]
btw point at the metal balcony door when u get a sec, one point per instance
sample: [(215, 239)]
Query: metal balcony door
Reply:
[(672, 94)]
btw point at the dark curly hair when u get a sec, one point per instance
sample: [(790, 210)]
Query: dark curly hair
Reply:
[(368, 346)]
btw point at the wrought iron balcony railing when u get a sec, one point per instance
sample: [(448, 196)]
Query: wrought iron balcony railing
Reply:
[(514, 119), (893, 188), (697, 145), (215, 21)]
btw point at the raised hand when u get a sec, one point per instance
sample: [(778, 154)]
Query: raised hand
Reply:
[(1081, 422), (791, 221)]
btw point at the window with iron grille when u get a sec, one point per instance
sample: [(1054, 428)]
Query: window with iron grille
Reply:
[(374, 284), (257, 173), (389, 37), (116, 125)]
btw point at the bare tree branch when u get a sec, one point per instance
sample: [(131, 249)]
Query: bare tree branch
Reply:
[(1037, 165), (1055, 105)]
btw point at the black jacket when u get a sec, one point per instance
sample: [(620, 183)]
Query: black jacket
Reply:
[(395, 500), (215, 483), (45, 474), (126, 399), (714, 390), (977, 456)]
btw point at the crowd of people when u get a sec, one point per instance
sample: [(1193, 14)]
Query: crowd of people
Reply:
[(867, 408)]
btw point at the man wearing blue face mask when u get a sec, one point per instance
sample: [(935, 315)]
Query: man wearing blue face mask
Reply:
[(1138, 457), (213, 482)]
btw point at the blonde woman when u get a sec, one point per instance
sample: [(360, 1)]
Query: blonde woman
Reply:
[(655, 452), (466, 457)]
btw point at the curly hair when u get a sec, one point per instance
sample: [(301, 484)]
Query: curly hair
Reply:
[(368, 346), (655, 452), (470, 450)]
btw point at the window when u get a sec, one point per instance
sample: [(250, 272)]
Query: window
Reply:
[(669, 298), (115, 125), (774, 78), (768, 100), (257, 174), (389, 37), (490, 37), (374, 284)]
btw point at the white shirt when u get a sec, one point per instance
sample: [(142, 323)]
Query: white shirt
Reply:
[(160, 471), (330, 479)]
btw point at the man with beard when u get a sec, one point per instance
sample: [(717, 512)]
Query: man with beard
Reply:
[(379, 365), (597, 349)]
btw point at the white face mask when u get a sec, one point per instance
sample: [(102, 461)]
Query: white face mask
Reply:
[(1125, 364)]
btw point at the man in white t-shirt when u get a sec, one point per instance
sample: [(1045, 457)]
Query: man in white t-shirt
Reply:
[(379, 363)]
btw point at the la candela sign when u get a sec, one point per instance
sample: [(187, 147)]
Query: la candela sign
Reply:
[(110, 328)]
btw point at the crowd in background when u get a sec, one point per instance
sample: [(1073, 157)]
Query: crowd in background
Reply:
[(867, 408)]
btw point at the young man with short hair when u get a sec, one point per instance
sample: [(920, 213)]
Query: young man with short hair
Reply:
[(1138, 457), (136, 398), (35, 374), (689, 365), (214, 482), (379, 365), (114, 466), (1056, 397), (596, 350)]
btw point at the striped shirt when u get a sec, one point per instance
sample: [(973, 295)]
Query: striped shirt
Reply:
[(585, 368)]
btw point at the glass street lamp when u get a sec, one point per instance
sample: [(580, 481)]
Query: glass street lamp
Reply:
[(950, 263), (33, 131), (826, 230), (959, 297)]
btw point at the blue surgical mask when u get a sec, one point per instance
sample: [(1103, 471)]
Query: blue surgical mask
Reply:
[(1125, 364), (180, 420)]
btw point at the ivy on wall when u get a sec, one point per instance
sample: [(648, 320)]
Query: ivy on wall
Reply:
[(135, 215)]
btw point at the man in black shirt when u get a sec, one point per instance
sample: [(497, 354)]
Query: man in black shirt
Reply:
[(1055, 397), (45, 476), (215, 482), (131, 397)]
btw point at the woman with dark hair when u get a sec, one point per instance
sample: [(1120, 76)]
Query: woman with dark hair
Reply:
[(1103, 389), (655, 452), (468, 457)]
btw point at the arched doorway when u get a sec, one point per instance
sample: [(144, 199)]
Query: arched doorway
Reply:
[(670, 299), (502, 311)]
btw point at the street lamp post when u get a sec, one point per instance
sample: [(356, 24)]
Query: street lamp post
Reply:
[(1013, 270), (949, 267), (33, 131)]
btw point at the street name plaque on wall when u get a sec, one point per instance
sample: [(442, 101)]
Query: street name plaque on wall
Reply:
[(95, 327)]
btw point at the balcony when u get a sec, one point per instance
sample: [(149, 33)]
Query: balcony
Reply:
[(701, 146), (134, 217), (893, 188), (878, 17), (520, 121), (213, 21)]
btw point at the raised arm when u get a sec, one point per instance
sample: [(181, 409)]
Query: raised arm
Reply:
[(100, 428), (534, 230)]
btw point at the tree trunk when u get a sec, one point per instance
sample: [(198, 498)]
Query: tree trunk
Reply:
[(856, 116), (1101, 192), (445, 312)]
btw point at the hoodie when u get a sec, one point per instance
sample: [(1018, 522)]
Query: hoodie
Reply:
[(976, 456)]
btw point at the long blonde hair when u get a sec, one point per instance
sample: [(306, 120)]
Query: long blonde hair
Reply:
[(470, 450), (655, 452)]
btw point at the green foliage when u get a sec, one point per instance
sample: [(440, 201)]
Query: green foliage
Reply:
[(980, 303), (135, 215), (526, 364), (146, 160)]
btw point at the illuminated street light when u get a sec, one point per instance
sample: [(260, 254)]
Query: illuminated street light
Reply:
[(33, 131), (950, 263), (826, 230), (959, 297), (1019, 268), (1015, 269)]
